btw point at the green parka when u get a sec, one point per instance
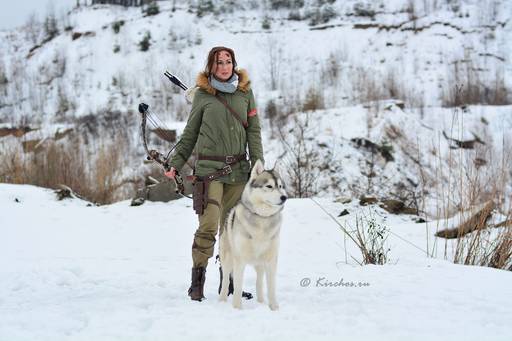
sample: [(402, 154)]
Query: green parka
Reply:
[(213, 130)]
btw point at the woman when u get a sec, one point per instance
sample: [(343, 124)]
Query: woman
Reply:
[(222, 124)]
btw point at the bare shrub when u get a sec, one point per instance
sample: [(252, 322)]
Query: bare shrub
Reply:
[(393, 85), (366, 86), (291, 103), (64, 104), (3, 74), (497, 92), (18, 74), (314, 100), (274, 61), (279, 110), (332, 70), (277, 115), (3, 83), (271, 110), (370, 237), (59, 61), (300, 158)]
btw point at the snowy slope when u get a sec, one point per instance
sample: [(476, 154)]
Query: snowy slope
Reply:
[(421, 153), (72, 272), (420, 53)]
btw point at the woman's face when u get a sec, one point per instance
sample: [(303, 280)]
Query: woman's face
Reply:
[(223, 67)]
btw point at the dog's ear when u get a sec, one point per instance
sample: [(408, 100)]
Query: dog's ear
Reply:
[(257, 169), (276, 168), (276, 173)]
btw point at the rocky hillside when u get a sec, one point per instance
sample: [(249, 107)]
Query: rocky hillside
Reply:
[(392, 89)]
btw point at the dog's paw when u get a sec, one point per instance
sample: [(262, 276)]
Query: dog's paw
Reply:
[(223, 298), (274, 306), (261, 300), (237, 304)]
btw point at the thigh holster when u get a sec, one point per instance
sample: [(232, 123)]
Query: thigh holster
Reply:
[(201, 183)]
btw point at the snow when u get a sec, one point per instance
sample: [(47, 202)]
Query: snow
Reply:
[(77, 272)]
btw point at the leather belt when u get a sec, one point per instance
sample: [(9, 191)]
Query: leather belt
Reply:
[(228, 159), (218, 174)]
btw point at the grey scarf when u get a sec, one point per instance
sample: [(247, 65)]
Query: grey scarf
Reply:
[(228, 86)]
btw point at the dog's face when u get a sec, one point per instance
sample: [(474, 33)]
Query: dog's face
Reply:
[(266, 187)]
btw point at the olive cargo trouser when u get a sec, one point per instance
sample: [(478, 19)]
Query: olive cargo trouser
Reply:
[(227, 195)]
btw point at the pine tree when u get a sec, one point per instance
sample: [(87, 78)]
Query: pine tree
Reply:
[(50, 26), (145, 43), (152, 9), (204, 7)]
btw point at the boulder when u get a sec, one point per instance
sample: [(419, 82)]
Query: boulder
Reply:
[(397, 207)]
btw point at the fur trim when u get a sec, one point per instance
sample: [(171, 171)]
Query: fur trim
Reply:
[(244, 83)]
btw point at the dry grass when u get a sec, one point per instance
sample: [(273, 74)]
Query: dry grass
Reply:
[(370, 86), (466, 86), (94, 176), (477, 193), (486, 247)]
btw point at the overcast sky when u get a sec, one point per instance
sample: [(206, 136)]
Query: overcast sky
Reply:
[(14, 13)]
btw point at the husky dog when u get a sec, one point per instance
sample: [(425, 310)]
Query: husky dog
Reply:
[(251, 235)]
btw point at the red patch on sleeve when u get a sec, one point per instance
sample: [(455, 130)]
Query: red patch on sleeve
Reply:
[(251, 113)]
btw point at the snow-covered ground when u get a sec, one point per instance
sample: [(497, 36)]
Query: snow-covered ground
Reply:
[(73, 272), (69, 271)]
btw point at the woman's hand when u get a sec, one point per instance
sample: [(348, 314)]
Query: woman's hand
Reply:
[(171, 173)]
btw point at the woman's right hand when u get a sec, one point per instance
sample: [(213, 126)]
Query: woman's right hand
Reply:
[(171, 173)]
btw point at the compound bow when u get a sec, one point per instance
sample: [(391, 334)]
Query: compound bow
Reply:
[(154, 155)]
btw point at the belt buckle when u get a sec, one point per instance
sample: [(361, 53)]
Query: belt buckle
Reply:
[(227, 169), (230, 159)]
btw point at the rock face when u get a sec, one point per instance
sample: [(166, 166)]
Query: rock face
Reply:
[(397, 207), (475, 222), (18, 132), (363, 201), (391, 205), (383, 150)]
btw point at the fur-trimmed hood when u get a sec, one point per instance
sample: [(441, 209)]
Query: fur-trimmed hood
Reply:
[(244, 84)]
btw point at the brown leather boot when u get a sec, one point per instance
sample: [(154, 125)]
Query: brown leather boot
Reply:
[(196, 287)]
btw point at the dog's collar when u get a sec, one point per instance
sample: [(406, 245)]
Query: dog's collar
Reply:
[(263, 216)]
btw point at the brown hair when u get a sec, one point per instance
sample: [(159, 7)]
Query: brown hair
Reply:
[(212, 58)]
